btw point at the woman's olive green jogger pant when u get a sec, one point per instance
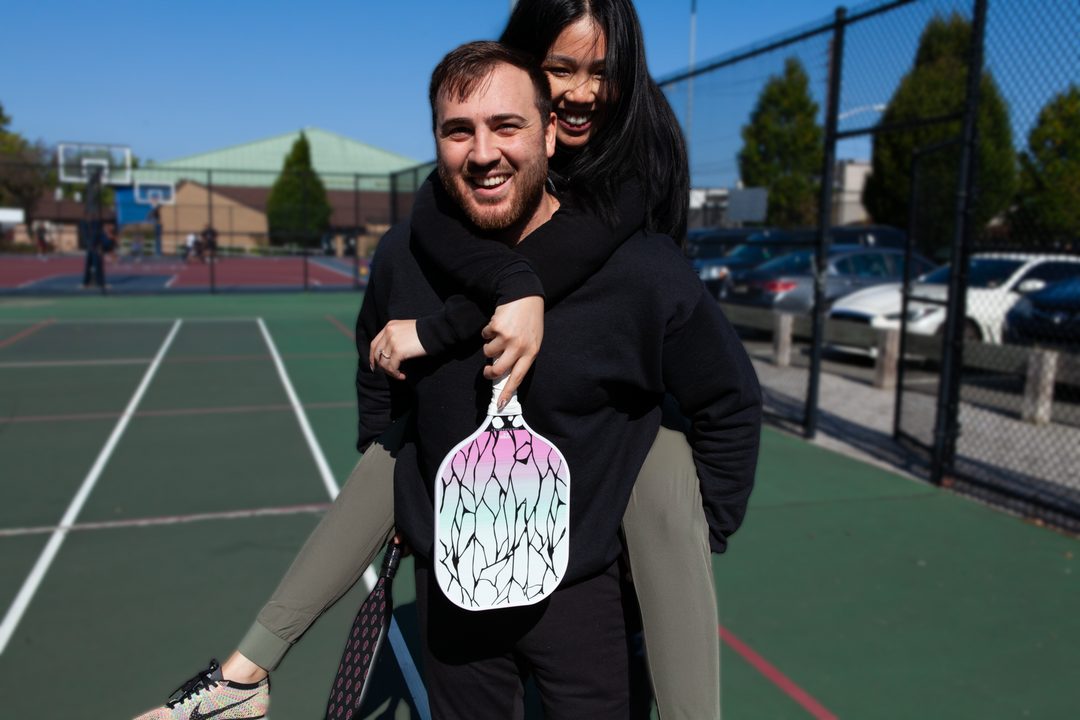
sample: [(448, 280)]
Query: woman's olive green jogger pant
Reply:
[(666, 537)]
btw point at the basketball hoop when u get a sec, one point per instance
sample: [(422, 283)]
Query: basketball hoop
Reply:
[(154, 192)]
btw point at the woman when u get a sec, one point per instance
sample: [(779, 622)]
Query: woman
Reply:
[(621, 154)]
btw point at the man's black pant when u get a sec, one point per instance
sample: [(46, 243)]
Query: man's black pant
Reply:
[(573, 643)]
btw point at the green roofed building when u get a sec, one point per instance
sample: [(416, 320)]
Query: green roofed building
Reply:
[(341, 161), (358, 178)]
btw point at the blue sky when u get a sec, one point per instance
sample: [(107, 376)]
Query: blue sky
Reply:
[(172, 79)]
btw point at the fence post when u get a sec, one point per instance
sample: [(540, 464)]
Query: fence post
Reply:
[(781, 339), (947, 428), (304, 231), (1038, 400), (836, 71), (356, 231), (210, 222), (888, 359), (393, 198)]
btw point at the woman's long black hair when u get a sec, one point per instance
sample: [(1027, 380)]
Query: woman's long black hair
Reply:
[(640, 139)]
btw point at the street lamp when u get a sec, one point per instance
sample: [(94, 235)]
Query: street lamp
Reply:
[(856, 111)]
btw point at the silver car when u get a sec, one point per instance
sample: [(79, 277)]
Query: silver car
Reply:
[(787, 284)]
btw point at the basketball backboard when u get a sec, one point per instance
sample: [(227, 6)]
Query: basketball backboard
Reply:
[(155, 192), (78, 162)]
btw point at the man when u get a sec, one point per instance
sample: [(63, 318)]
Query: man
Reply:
[(42, 238), (209, 242), (92, 237), (641, 326)]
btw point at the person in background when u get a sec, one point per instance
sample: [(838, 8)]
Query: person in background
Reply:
[(110, 243), (94, 273), (190, 246), (209, 243), (42, 238)]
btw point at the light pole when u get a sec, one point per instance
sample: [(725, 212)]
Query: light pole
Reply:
[(878, 107), (690, 80)]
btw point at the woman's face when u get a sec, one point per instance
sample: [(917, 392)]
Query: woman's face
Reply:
[(575, 70)]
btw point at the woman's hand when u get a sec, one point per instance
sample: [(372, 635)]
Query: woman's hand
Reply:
[(513, 337), (395, 343), (406, 548)]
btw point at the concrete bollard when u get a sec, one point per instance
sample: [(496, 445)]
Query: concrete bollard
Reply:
[(781, 339), (1039, 387), (888, 357)]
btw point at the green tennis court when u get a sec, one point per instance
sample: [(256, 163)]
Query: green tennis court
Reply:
[(167, 436)]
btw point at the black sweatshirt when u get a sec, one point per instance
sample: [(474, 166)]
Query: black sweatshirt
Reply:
[(570, 247), (641, 326)]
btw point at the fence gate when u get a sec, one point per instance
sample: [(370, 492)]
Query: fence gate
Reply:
[(930, 232)]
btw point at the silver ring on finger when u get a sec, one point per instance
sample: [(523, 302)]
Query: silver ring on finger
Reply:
[(382, 353)]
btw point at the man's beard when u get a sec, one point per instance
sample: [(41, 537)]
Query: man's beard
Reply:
[(497, 213)]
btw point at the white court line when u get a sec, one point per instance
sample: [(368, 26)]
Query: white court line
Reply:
[(370, 576), (73, 363), (171, 519), (301, 416), (148, 320), (37, 574)]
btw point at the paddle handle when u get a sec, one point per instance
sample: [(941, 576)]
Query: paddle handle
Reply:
[(512, 408)]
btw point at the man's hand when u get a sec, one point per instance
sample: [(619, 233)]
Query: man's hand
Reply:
[(395, 343), (513, 337)]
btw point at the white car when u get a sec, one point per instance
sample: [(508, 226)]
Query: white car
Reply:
[(996, 282)]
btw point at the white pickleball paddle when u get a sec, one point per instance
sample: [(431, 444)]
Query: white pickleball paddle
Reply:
[(502, 514)]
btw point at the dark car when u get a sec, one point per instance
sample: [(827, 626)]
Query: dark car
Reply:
[(715, 267), (787, 283), (1049, 317), (717, 256), (708, 243), (875, 236)]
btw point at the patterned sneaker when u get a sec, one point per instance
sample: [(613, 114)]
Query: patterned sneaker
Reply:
[(209, 695)]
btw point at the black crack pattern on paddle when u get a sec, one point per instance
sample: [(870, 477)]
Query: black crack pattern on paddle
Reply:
[(516, 559)]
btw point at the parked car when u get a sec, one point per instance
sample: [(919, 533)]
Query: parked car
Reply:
[(787, 283), (758, 249), (996, 282), (715, 258), (708, 243), (1048, 317)]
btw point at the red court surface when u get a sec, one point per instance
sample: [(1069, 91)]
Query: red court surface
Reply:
[(65, 272)]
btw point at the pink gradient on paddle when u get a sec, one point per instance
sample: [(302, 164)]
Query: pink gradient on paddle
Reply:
[(503, 518)]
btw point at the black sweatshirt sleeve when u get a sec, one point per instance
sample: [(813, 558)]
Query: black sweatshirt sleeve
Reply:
[(709, 373), (552, 262), (379, 399)]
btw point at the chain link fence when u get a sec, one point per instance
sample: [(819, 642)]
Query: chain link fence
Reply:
[(1018, 424), (200, 230), (874, 116)]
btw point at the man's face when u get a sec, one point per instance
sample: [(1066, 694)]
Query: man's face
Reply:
[(493, 148)]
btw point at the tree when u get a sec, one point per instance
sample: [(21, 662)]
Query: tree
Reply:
[(1047, 206), (782, 148), (934, 87), (25, 170), (297, 208)]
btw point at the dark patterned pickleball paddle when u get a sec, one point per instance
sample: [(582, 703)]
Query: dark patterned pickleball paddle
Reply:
[(364, 644)]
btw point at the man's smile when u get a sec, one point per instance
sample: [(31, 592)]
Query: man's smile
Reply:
[(490, 186)]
